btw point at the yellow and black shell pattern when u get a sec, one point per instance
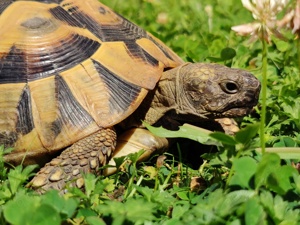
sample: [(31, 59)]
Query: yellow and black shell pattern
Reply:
[(69, 68)]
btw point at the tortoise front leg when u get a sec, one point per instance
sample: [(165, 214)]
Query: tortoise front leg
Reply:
[(133, 141), (84, 156)]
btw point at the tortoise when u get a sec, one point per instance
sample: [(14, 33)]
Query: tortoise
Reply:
[(72, 70)]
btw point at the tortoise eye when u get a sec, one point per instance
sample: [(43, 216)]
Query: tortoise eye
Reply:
[(230, 87)]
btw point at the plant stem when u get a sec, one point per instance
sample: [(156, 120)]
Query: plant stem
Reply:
[(263, 94), (298, 51)]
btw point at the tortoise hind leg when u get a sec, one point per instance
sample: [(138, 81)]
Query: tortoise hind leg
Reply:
[(84, 156)]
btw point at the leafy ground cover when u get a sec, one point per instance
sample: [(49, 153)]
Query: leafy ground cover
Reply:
[(233, 185)]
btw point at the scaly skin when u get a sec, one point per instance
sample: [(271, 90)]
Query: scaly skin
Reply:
[(85, 156)]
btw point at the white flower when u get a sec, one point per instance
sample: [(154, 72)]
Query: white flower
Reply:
[(265, 13), (265, 9), (296, 19), (292, 19)]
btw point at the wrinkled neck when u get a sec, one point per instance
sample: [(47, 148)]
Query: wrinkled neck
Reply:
[(163, 98), (168, 96)]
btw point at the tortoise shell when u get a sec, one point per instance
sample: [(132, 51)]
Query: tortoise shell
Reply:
[(69, 68)]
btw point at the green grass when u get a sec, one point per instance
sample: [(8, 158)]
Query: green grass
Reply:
[(233, 185)]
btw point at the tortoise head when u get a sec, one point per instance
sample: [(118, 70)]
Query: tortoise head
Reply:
[(214, 91)]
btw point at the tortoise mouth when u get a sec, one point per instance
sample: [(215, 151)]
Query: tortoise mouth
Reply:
[(237, 109), (234, 112), (238, 112)]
